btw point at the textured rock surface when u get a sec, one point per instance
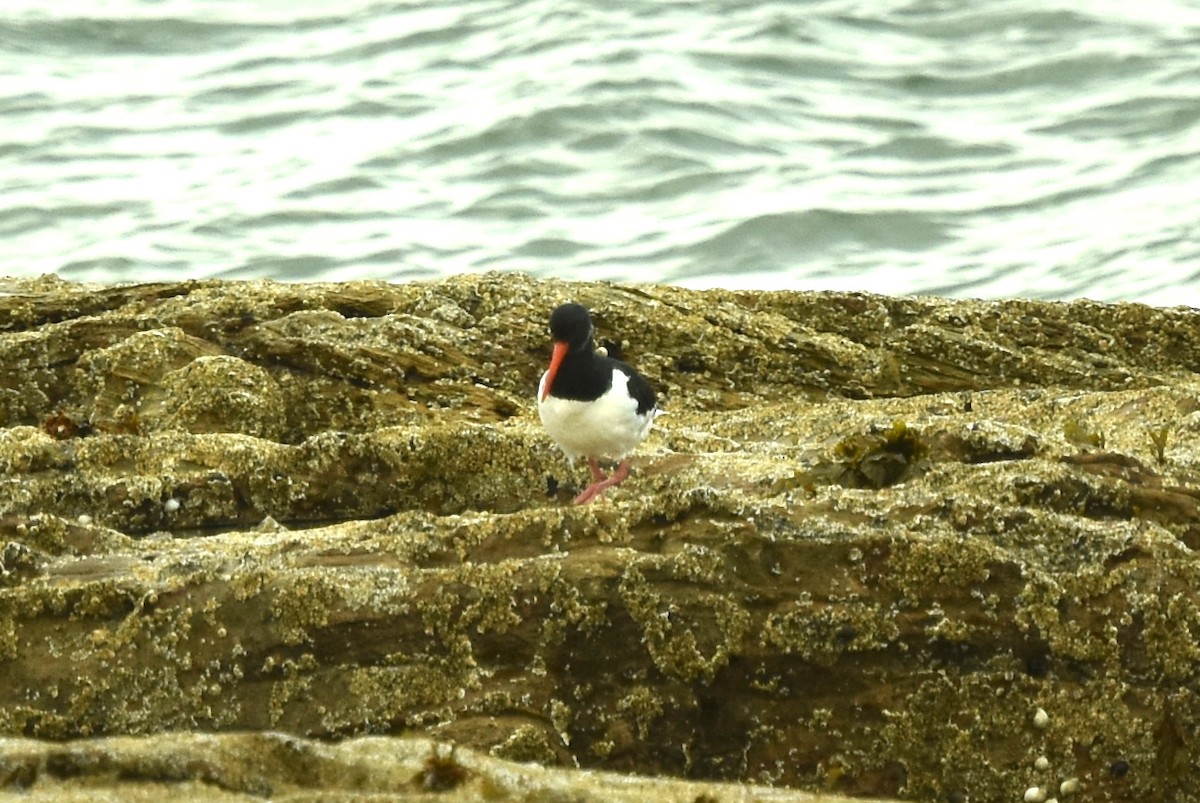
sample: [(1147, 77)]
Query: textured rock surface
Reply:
[(870, 540), (281, 767)]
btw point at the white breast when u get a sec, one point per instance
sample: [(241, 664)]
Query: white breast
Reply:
[(608, 428)]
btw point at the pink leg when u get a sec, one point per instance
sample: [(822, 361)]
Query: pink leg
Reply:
[(601, 484), (597, 474)]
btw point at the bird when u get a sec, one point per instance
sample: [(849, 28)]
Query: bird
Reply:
[(592, 405)]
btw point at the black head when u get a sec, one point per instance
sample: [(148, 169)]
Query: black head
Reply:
[(572, 324)]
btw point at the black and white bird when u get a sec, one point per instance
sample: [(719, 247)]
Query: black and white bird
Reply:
[(592, 405)]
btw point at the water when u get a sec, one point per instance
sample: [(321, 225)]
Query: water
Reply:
[(1009, 148)]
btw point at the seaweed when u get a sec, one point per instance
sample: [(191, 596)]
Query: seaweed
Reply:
[(1158, 440), (441, 772), (880, 457)]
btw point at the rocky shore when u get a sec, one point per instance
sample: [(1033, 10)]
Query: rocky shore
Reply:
[(878, 547)]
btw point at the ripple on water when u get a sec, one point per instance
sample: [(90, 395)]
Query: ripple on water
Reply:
[(953, 146)]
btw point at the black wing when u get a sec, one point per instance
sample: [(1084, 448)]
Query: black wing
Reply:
[(639, 388)]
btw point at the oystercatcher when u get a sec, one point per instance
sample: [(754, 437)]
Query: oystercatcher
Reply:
[(592, 405)]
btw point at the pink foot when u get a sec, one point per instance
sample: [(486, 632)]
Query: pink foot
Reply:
[(600, 483)]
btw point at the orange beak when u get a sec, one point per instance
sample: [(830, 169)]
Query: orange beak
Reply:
[(560, 351)]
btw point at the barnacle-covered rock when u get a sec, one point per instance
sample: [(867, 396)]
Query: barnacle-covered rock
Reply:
[(872, 538)]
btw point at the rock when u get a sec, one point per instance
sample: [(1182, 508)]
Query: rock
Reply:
[(278, 766), (223, 394), (871, 537)]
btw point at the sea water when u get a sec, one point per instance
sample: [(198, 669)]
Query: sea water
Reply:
[(1008, 148)]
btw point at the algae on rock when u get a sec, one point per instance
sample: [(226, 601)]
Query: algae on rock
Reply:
[(871, 539)]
